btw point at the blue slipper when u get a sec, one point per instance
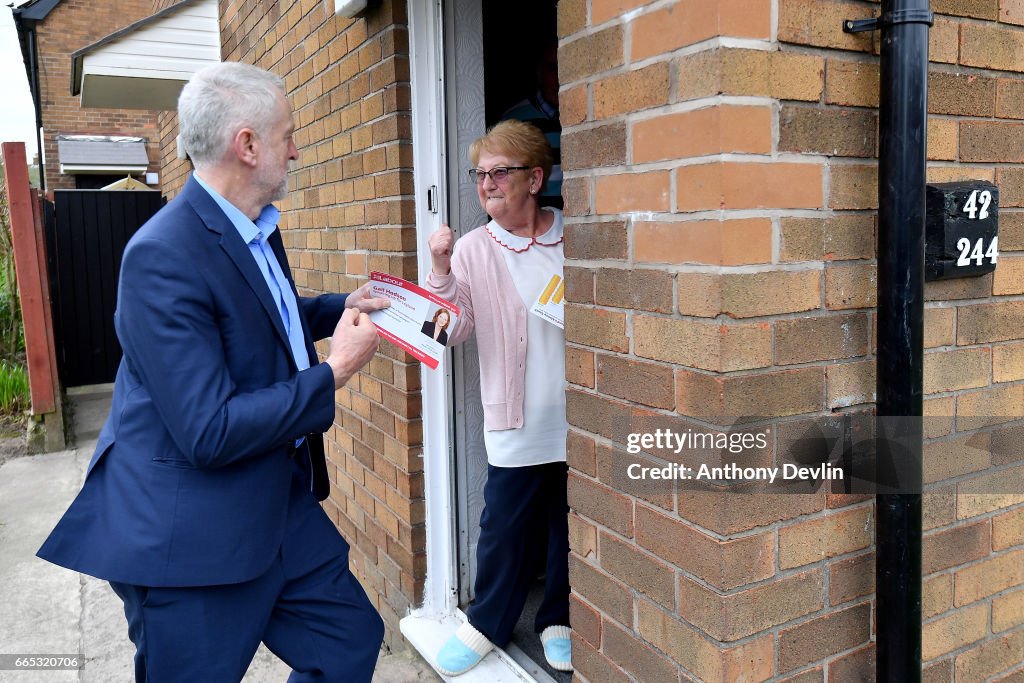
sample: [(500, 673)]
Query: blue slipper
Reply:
[(557, 648), (463, 651)]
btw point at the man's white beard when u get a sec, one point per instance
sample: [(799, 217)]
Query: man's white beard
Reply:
[(274, 190), (282, 190)]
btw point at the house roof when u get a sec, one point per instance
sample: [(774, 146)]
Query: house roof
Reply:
[(145, 65), (35, 10), (78, 56), (26, 16)]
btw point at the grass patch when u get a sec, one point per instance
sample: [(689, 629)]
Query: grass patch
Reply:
[(14, 396), (14, 393)]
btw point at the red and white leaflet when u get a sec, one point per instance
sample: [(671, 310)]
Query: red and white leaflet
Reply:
[(417, 321)]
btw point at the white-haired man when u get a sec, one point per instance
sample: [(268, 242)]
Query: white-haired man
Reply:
[(200, 504)]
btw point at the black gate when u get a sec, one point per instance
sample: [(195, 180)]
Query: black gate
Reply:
[(86, 234)]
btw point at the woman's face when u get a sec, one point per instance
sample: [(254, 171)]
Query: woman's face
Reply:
[(442, 319), (510, 197)]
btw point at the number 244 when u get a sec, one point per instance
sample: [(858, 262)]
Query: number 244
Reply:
[(976, 254)]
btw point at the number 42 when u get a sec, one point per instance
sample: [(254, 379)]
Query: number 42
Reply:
[(972, 209)]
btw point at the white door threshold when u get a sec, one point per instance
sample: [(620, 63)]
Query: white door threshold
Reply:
[(428, 633)]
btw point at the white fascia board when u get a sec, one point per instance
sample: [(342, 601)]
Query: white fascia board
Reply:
[(82, 169)]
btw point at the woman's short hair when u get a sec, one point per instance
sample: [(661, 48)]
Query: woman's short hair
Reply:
[(447, 315), (516, 140), (219, 101)]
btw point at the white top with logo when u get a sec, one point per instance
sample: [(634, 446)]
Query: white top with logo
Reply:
[(541, 439)]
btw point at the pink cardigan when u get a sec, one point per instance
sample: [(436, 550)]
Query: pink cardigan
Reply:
[(480, 284)]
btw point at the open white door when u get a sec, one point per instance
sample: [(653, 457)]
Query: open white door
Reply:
[(448, 113)]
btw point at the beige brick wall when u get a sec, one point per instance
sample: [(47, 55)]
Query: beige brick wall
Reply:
[(721, 262), (72, 25)]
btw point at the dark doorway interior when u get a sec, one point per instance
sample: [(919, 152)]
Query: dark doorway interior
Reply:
[(515, 34), (96, 181), (514, 39), (520, 49)]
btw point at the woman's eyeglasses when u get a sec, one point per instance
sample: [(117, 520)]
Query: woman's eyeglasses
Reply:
[(499, 174)]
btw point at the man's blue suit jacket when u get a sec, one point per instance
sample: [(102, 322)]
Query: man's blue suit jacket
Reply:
[(190, 480)]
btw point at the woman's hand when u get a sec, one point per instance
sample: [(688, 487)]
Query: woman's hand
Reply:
[(440, 244)]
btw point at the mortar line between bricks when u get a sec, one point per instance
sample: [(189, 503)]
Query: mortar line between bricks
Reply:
[(686, 106), (615, 20), (777, 630), (664, 412), (773, 30), (710, 640), (706, 45), (804, 159), (826, 662), (752, 269), (866, 57), (988, 598), (986, 639), (722, 215)]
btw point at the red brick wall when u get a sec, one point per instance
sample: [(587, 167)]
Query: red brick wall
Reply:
[(721, 199), (349, 211), (72, 25)]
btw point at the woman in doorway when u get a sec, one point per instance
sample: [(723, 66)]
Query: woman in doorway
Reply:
[(495, 274)]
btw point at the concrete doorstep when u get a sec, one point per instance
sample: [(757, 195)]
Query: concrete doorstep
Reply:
[(48, 610)]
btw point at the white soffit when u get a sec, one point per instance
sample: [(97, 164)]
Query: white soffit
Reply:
[(145, 65)]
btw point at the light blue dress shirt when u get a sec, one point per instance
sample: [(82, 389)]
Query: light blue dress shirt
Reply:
[(255, 235)]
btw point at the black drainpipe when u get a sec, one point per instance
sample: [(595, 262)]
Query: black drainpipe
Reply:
[(903, 114), (26, 29), (36, 97)]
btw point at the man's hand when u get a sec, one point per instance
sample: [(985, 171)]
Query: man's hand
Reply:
[(440, 243), (361, 300), (352, 345)]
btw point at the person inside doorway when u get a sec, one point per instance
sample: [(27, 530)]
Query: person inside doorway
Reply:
[(495, 274), (541, 109)]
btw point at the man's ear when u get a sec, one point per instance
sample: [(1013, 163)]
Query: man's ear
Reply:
[(244, 146)]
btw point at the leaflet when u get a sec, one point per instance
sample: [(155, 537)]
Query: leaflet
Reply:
[(550, 304), (417, 321)]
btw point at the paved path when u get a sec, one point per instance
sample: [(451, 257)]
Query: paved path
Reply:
[(45, 609)]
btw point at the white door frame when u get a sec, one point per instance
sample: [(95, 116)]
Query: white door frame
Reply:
[(428, 626), (430, 186)]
